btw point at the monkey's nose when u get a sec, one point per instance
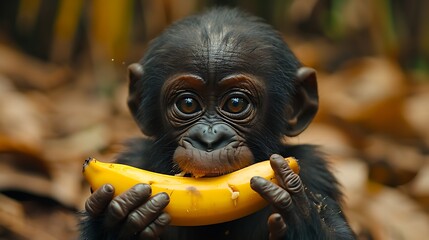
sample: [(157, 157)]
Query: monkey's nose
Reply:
[(209, 138)]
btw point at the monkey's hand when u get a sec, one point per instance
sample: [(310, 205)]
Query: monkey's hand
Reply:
[(133, 214), (295, 214)]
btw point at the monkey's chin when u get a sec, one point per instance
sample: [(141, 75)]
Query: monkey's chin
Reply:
[(199, 163)]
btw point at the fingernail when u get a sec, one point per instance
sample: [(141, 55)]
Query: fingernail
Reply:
[(108, 188), (253, 179), (163, 196), (278, 218), (277, 158), (142, 187), (256, 180)]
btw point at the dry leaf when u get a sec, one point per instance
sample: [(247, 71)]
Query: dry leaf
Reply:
[(20, 119), (396, 215), (368, 93)]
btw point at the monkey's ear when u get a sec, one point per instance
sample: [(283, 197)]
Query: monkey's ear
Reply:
[(135, 72), (135, 75), (305, 102)]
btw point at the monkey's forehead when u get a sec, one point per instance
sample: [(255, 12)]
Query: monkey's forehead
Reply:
[(213, 50), (216, 44), (222, 33)]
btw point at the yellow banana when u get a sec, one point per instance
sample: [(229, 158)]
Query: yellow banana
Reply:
[(193, 201)]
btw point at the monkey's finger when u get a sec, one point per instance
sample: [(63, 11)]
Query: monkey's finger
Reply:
[(281, 169), (98, 201), (292, 183), (122, 205), (278, 197), (273, 194), (154, 230), (139, 219), (276, 226), (295, 187)]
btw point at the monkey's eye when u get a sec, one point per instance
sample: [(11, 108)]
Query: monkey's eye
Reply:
[(235, 105), (188, 105)]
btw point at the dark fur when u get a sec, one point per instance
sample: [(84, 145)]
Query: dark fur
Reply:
[(249, 36)]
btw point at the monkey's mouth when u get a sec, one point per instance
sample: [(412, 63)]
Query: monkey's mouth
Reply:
[(212, 162)]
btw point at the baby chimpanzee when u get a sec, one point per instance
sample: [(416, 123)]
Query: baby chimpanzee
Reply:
[(213, 94)]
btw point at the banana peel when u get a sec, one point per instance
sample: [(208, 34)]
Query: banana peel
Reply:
[(193, 201)]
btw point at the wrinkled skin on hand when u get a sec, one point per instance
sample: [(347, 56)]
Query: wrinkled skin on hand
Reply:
[(134, 214), (292, 207)]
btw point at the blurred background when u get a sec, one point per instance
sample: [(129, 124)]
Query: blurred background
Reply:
[(63, 88)]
